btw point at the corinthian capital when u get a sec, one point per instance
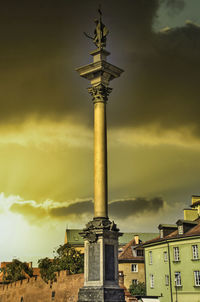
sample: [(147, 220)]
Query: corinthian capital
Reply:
[(99, 93)]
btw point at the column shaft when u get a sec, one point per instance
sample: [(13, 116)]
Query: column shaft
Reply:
[(100, 160)]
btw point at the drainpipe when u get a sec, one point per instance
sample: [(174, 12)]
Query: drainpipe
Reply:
[(145, 273), (170, 273)]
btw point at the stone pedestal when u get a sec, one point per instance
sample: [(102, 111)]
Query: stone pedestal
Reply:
[(101, 263)]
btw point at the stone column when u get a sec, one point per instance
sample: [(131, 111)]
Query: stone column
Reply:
[(100, 235), (100, 94)]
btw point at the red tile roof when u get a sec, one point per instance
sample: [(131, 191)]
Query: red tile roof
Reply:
[(127, 253), (194, 231)]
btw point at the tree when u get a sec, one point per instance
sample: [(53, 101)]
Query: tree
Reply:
[(16, 270), (47, 269), (138, 289), (68, 258)]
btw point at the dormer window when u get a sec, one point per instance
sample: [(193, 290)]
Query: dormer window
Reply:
[(134, 252), (161, 233), (140, 253), (180, 229)]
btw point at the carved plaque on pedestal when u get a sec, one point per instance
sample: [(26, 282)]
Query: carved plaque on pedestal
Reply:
[(109, 262), (94, 262)]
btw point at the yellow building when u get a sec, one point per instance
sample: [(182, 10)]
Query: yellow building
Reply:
[(131, 262)]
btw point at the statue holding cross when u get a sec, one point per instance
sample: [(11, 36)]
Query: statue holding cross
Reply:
[(100, 32)]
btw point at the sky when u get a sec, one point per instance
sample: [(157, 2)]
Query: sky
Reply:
[(46, 118)]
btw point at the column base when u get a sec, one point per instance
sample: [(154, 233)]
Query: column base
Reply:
[(101, 294)]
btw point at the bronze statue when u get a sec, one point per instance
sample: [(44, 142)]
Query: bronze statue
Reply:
[(100, 32)]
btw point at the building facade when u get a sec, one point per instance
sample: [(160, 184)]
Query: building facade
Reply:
[(172, 260), (131, 262), (131, 257)]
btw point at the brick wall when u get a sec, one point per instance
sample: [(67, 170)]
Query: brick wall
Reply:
[(36, 290)]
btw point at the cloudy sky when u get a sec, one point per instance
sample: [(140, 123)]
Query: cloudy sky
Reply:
[(46, 117)]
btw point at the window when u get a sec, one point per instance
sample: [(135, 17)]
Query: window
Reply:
[(140, 253), (161, 233), (167, 280), (177, 279), (195, 254), (134, 251), (180, 229), (197, 278), (134, 281), (176, 254), (150, 257), (134, 268), (53, 295), (151, 281), (165, 256)]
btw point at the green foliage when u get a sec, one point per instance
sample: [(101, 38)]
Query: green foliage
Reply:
[(16, 270), (47, 269), (138, 289), (68, 258)]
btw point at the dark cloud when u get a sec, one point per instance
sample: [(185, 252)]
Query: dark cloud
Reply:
[(77, 208), (118, 208), (42, 43), (125, 208), (165, 89)]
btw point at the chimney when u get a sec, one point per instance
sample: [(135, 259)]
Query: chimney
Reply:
[(190, 214), (121, 279), (195, 199), (136, 237)]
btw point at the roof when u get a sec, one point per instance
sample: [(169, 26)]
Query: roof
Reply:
[(36, 271), (74, 238), (196, 203), (127, 253), (194, 231), (170, 226), (181, 221), (127, 237)]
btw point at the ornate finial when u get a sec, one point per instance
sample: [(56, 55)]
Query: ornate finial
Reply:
[(100, 32)]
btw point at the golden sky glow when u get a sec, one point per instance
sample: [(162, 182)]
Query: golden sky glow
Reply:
[(46, 134)]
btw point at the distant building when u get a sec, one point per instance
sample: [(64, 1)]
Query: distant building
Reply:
[(72, 236), (172, 260), (131, 262)]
